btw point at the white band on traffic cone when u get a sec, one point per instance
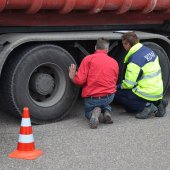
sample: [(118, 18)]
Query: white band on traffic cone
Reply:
[(25, 122), (26, 138)]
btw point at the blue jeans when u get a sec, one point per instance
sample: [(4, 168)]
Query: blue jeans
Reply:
[(104, 103)]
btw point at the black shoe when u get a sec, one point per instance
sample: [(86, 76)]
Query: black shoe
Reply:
[(107, 117), (162, 108), (148, 111), (94, 120)]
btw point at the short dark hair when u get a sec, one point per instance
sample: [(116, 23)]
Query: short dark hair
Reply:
[(102, 44), (131, 38)]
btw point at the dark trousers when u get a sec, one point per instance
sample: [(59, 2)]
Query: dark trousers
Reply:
[(131, 102)]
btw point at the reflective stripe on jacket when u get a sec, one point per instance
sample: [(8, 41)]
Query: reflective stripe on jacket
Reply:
[(143, 73)]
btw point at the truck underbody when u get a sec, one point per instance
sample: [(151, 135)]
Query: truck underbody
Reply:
[(30, 61), (40, 39)]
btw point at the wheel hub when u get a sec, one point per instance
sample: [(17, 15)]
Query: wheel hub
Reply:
[(42, 83)]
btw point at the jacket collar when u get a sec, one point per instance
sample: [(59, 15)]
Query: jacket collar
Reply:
[(133, 49)]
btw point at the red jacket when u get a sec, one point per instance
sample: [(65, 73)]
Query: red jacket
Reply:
[(98, 74)]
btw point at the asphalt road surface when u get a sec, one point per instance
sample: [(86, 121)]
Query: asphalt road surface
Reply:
[(128, 144)]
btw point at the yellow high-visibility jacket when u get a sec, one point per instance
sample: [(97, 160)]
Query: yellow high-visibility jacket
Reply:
[(143, 73)]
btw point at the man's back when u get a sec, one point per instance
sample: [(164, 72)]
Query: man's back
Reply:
[(102, 74), (150, 79)]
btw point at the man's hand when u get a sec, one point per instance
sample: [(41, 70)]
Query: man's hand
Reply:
[(72, 71)]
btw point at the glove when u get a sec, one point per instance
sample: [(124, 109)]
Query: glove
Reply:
[(118, 87)]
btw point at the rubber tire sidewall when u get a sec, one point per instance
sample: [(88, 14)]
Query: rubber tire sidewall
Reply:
[(19, 89)]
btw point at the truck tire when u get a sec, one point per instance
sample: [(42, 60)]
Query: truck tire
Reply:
[(38, 79), (164, 62)]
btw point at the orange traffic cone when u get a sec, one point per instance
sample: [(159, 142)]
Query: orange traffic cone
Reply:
[(26, 148)]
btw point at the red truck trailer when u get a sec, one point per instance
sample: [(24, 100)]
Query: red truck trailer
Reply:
[(39, 39)]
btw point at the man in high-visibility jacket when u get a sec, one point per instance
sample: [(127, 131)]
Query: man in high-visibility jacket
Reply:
[(141, 90)]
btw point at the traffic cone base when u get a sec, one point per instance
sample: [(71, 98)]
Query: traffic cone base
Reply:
[(26, 155), (26, 147)]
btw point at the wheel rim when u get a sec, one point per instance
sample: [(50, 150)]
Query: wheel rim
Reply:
[(46, 84)]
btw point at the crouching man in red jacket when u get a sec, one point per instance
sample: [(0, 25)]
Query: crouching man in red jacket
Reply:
[(98, 74)]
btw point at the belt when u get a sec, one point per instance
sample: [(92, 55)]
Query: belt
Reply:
[(100, 97)]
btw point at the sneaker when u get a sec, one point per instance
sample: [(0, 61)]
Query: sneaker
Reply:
[(148, 111), (94, 120), (107, 117), (162, 108)]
